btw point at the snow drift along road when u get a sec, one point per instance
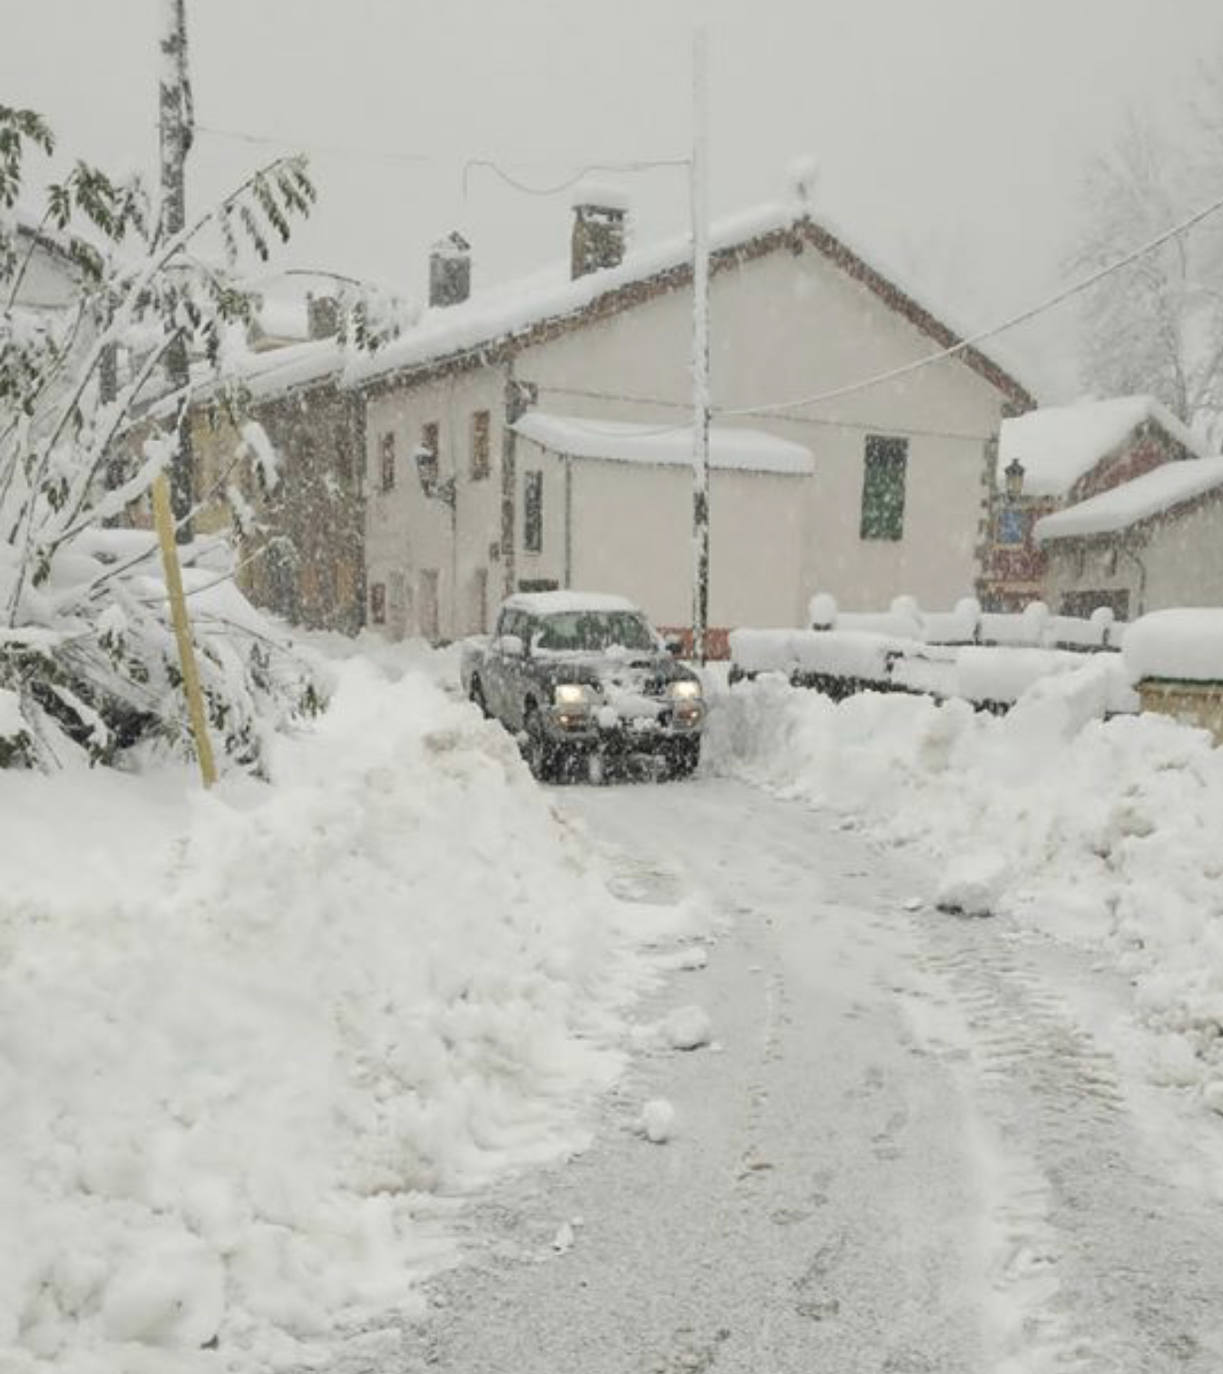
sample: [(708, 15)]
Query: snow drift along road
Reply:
[(1107, 829), (250, 1042)]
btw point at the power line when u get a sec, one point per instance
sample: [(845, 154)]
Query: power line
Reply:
[(557, 187), (859, 426), (972, 340)]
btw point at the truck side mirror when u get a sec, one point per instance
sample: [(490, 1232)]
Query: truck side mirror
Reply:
[(512, 646), (674, 645)]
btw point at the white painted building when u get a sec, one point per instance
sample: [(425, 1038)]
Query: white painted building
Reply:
[(889, 496), (1150, 544)]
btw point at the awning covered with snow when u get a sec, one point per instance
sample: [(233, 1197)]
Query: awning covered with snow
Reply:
[(1154, 493), (663, 444)]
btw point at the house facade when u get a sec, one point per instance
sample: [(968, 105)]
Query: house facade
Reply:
[(1059, 457), (1150, 544), (298, 515), (895, 499)]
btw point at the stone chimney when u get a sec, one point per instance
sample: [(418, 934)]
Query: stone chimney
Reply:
[(449, 270), (599, 214), (322, 316)]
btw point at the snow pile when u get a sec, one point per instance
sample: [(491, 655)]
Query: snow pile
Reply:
[(1106, 831), (1185, 644), (251, 1041)]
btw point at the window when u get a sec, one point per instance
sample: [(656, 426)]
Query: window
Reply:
[(428, 604), (377, 603), (479, 600), (480, 451), (533, 512), (429, 438), (343, 455), (1012, 525), (388, 462), (1082, 604), (883, 488)]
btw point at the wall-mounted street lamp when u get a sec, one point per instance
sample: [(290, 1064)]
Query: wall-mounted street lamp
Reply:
[(1014, 474), (437, 489)]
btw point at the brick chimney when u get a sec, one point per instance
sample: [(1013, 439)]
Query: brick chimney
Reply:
[(322, 316), (449, 270), (599, 214)]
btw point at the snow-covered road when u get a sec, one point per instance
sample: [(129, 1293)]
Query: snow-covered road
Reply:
[(917, 1143)]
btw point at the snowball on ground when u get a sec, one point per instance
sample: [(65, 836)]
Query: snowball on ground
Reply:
[(657, 1121), (1184, 644), (686, 1028), (972, 885)]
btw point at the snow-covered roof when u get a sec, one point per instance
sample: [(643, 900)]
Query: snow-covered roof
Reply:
[(1060, 444), (557, 603), (1152, 494), (509, 311), (748, 450)]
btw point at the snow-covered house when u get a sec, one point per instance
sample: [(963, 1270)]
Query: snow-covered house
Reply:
[(1060, 456), (298, 515), (464, 503), (1149, 544)]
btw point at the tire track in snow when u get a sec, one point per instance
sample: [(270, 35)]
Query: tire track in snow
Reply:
[(1093, 1253)]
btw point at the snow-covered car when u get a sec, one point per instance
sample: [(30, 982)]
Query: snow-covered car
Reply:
[(586, 684)]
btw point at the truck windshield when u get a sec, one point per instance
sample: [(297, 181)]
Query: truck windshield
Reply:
[(593, 631)]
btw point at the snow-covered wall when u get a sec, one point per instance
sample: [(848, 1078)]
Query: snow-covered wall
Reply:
[(782, 325)]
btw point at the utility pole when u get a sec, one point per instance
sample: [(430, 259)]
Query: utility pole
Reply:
[(700, 346), (176, 127)]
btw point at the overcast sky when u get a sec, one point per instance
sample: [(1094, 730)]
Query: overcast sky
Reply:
[(950, 134)]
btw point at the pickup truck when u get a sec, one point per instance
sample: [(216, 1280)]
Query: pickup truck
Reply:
[(586, 685)]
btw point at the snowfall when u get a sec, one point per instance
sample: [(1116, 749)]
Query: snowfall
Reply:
[(261, 1049)]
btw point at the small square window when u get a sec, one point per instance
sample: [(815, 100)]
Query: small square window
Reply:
[(388, 462), (377, 603), (481, 464)]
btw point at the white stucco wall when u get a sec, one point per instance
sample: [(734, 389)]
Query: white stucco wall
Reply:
[(783, 326), (1177, 563)]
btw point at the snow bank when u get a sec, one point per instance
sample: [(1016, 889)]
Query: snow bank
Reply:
[(1105, 831), (254, 1042)]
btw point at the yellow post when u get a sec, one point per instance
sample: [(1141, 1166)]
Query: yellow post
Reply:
[(182, 629)]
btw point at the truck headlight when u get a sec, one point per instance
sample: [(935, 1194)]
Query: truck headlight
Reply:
[(686, 691), (572, 694)]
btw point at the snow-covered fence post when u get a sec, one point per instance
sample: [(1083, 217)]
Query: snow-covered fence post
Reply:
[(182, 628)]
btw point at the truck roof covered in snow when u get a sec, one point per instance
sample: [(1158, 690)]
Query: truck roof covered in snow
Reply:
[(556, 603)]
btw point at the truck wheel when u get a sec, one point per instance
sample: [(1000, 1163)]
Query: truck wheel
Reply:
[(476, 697), (539, 753), (685, 755)]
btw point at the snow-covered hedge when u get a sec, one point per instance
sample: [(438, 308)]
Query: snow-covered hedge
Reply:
[(966, 623), (254, 1042), (845, 661), (1106, 830)]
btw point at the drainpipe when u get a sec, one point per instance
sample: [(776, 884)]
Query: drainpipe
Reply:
[(509, 480), (568, 521), (1142, 577)]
